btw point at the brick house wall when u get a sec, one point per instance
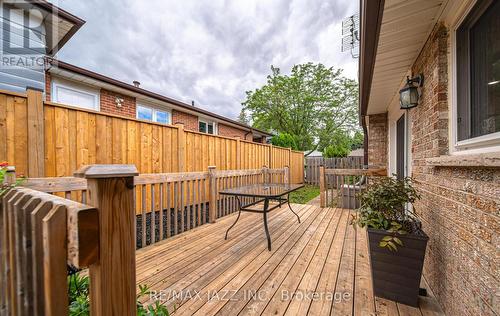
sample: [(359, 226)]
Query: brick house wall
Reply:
[(459, 208), (229, 131), (129, 105), (108, 104), (190, 121), (377, 140)]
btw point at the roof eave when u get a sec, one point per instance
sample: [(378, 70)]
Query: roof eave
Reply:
[(65, 15), (370, 23)]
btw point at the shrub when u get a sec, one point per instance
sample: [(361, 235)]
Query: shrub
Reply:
[(79, 305), (383, 207), (285, 140)]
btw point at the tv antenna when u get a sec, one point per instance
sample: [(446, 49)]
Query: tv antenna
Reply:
[(350, 35)]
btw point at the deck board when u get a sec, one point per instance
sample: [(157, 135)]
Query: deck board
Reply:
[(200, 273)]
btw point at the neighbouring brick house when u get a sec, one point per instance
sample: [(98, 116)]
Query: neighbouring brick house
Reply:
[(450, 142), (72, 85)]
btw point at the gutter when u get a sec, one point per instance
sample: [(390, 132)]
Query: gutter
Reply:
[(371, 12)]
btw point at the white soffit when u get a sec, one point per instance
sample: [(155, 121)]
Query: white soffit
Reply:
[(406, 24)]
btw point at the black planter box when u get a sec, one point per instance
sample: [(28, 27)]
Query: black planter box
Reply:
[(396, 274)]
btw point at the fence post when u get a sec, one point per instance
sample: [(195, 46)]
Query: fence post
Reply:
[(212, 194), (238, 153), (265, 174), (34, 106), (322, 202), (181, 147), (286, 177), (112, 278), (270, 156)]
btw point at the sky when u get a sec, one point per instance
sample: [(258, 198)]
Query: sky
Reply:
[(210, 52)]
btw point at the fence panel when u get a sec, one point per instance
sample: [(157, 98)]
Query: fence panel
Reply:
[(73, 137), (341, 187), (296, 167), (312, 165)]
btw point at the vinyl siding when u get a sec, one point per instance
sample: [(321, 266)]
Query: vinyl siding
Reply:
[(18, 78)]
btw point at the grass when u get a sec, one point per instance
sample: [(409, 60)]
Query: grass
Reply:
[(305, 194)]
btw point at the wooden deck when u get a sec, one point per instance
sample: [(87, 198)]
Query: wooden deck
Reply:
[(200, 273)]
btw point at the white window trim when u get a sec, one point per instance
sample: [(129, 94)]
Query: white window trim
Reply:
[(216, 130), (482, 144), (155, 110), (77, 88)]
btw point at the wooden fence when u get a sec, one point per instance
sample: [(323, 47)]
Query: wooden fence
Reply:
[(44, 139), (312, 165), (341, 187)]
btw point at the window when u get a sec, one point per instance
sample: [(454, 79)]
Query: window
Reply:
[(75, 95), (207, 127), (144, 113), (155, 115), (478, 72)]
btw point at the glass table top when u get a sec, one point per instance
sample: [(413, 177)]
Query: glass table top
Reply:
[(262, 190)]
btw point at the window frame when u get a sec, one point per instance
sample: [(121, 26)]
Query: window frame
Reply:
[(207, 122), (80, 88), (485, 143), (154, 113)]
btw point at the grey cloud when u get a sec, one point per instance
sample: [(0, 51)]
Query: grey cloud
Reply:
[(207, 51)]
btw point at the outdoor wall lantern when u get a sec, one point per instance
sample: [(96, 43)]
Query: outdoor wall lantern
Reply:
[(408, 96)]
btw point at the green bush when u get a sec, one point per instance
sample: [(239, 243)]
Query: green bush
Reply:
[(79, 305), (285, 140), (383, 207), (333, 151)]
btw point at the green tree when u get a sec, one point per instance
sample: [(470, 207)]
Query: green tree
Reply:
[(339, 145), (332, 151), (243, 118), (285, 140), (357, 140), (311, 103)]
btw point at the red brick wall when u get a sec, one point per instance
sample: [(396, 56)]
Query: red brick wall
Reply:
[(190, 121), (460, 206), (229, 131), (377, 140), (108, 104)]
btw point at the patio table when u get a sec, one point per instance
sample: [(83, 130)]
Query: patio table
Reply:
[(259, 193)]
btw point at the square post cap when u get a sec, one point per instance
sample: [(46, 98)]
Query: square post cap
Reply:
[(106, 171)]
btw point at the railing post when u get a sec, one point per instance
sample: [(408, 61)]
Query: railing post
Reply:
[(265, 174), (322, 186), (112, 278), (212, 193), (286, 177)]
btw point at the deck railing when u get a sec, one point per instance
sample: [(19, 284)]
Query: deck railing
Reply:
[(341, 187), (42, 233), (167, 204)]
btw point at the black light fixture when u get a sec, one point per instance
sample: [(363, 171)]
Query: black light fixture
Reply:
[(408, 96)]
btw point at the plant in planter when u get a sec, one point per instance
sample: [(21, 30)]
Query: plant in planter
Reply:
[(396, 240)]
